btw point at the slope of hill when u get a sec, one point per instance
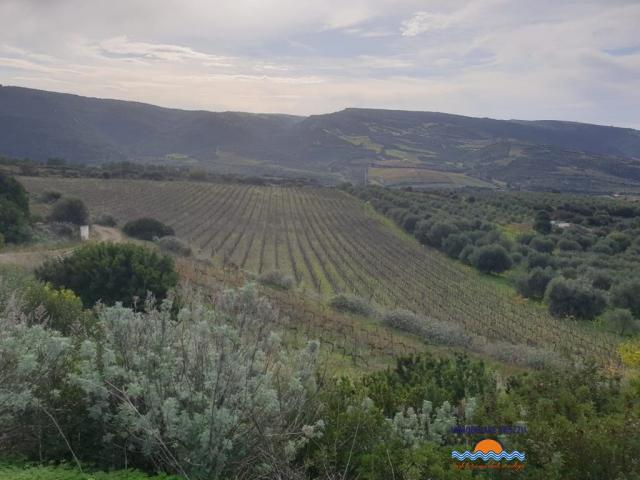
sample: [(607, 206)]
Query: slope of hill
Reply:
[(343, 145), (331, 243)]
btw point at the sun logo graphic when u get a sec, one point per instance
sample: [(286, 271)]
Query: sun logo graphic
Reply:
[(488, 450)]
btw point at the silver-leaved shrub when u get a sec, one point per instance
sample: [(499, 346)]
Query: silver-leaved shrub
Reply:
[(202, 392)]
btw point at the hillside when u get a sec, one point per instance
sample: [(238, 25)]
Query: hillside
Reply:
[(331, 243), (412, 148)]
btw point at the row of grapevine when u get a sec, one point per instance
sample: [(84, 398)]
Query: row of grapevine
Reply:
[(332, 243)]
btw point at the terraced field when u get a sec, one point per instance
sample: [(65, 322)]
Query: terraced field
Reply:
[(331, 243)]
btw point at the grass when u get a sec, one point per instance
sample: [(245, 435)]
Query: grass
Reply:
[(363, 141), (422, 176), (67, 472)]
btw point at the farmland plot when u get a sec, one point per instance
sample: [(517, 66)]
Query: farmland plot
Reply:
[(331, 242)]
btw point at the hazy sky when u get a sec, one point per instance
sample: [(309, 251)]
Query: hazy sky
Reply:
[(531, 59)]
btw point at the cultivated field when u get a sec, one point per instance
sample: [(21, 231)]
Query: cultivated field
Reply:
[(388, 176), (331, 243)]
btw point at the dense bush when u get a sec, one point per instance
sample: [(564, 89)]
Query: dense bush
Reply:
[(111, 273), (58, 309), (14, 210), (542, 244), (429, 330), (211, 394), (174, 245), (601, 280), (568, 245), (466, 254), (622, 321), (147, 229), (70, 210), (491, 259), (574, 298), (454, 244), (606, 246), (410, 221), (351, 304), (620, 240), (49, 196), (438, 234), (13, 192), (276, 278), (627, 295), (453, 335), (542, 222), (534, 283), (540, 260)]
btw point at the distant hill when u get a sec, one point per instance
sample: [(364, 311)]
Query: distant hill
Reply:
[(413, 148)]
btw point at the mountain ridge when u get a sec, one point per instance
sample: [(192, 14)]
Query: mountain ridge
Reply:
[(530, 154)]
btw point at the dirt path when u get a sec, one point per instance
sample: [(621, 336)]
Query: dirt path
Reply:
[(31, 259), (106, 234), (34, 258)]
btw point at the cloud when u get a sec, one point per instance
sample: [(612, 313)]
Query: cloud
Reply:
[(123, 47), (423, 22)]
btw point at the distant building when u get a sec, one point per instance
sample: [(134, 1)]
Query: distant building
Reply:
[(84, 232), (560, 224)]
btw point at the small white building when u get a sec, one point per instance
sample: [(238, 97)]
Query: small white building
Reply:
[(560, 224), (84, 232)]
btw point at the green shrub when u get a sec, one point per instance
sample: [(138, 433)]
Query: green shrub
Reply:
[(351, 304), (14, 210), (542, 244), (540, 260), (601, 280), (606, 246), (214, 384), (621, 240), (534, 284), (454, 244), (622, 321), (567, 245), (111, 273), (627, 295), (439, 232), (62, 308), (410, 221), (276, 278), (147, 229), (49, 196), (491, 259), (70, 210), (1, 242), (516, 258), (174, 245), (13, 192), (466, 254), (574, 298), (427, 329), (542, 222)]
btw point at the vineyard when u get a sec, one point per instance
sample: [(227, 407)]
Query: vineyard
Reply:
[(331, 243), (363, 344)]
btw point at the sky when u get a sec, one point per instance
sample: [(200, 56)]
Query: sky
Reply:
[(529, 59)]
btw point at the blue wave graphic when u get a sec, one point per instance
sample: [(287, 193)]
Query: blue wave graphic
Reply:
[(467, 455)]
